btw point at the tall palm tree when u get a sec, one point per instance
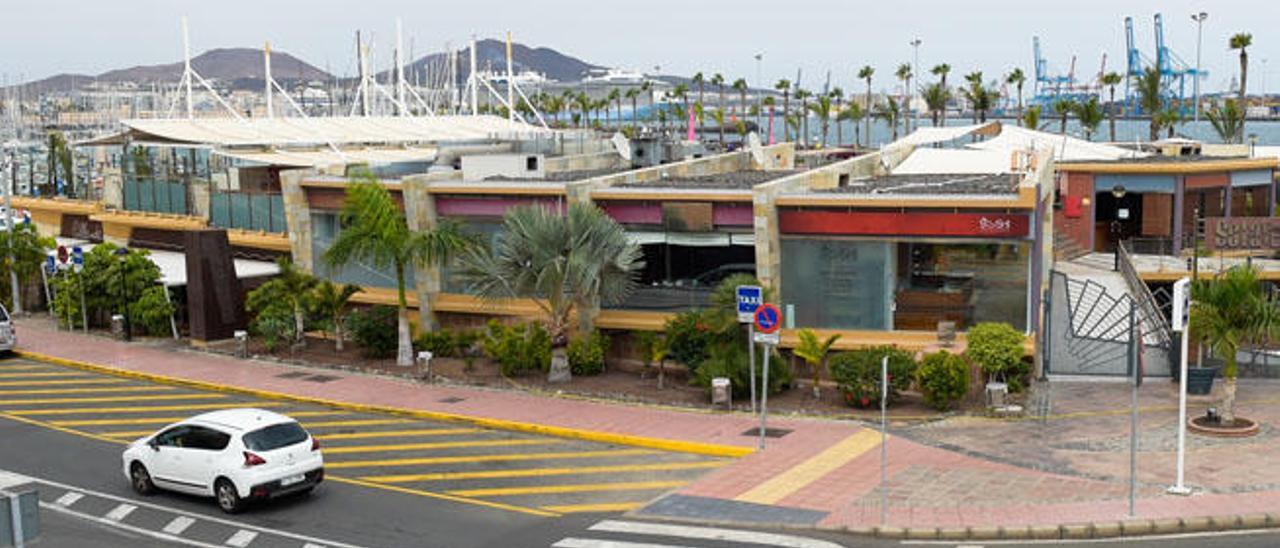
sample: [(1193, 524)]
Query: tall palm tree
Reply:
[(1148, 86), (1242, 41), (585, 105), (814, 351), (935, 97), (890, 112), (330, 300), (1170, 118), (837, 102), (1016, 78), (616, 97), (632, 94), (1063, 107), (768, 102), (941, 71), (717, 114), (803, 95), (701, 81), (646, 88), (1227, 121), (682, 91), (784, 85), (821, 108), (740, 86), (376, 233), (865, 73), (1031, 118), (1090, 115), (854, 113), (904, 75), (575, 261), (1111, 80), (717, 80), (1230, 309)]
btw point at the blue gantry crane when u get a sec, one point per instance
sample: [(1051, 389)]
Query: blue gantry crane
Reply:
[(1174, 72), (1049, 87)]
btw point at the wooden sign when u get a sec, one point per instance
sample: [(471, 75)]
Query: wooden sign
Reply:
[(1222, 233)]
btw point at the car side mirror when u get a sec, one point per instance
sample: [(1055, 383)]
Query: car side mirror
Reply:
[(153, 445)]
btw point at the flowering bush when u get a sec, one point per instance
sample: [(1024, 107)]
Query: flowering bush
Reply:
[(858, 374)]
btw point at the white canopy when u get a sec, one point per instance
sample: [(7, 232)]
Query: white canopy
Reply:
[(173, 265), (343, 130), (329, 157)]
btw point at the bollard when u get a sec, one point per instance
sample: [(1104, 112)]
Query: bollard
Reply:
[(721, 392), (424, 364), (242, 343), (117, 327)]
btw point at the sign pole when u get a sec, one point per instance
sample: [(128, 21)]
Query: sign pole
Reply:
[(768, 319), (751, 359), (1181, 311), (884, 440), (1133, 413), (750, 297), (764, 395)]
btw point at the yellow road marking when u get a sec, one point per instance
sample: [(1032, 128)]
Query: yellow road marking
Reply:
[(41, 375), (438, 445), (60, 382), (589, 508), (104, 390), (489, 458), (362, 422), (101, 410), (540, 472), (557, 489), (801, 475), (60, 429), (454, 498), (115, 399), (397, 433), (129, 433), (167, 420), (36, 367)]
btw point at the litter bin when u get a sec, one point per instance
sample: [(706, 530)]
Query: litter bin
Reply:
[(242, 343), (721, 392)]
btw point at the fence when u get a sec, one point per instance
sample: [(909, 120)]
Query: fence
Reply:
[(155, 196), (248, 210)]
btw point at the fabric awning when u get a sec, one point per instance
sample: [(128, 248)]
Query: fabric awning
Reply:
[(328, 157), (173, 265)]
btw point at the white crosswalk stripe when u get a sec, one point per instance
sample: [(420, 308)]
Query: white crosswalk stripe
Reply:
[(120, 512), (242, 538), (684, 536), (70, 498), (178, 525)]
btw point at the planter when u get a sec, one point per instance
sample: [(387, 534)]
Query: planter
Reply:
[(1200, 380)]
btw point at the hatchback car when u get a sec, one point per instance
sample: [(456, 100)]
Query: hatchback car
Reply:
[(233, 455), (8, 333)]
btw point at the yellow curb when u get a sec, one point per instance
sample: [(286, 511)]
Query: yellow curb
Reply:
[(697, 448)]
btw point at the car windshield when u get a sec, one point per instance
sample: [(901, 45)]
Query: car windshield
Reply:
[(4, 314), (275, 437)]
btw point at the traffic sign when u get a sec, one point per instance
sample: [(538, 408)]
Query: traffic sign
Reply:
[(62, 254), (50, 265), (750, 297), (768, 318), (77, 255), (1181, 304)]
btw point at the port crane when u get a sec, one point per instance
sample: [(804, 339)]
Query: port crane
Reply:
[(1049, 87), (1174, 72)]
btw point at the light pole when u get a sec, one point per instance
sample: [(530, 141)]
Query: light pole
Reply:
[(1118, 193), (11, 163), (1199, 19), (915, 79), (760, 86), (123, 254)]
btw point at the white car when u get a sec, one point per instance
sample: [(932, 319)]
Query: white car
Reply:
[(233, 455), (8, 331)]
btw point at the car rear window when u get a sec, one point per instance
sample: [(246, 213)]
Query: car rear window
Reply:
[(275, 437)]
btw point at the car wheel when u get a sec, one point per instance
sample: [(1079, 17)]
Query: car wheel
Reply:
[(141, 480), (228, 498)]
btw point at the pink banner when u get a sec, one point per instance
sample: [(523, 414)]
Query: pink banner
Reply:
[(691, 137), (770, 125)]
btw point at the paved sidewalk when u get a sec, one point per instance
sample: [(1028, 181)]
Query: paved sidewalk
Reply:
[(957, 473)]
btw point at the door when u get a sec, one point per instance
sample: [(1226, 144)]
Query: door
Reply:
[(202, 450), (168, 460)]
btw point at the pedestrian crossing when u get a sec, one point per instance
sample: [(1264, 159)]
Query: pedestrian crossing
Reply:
[(492, 469), (613, 533)]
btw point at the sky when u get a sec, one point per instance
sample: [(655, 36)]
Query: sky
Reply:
[(45, 37)]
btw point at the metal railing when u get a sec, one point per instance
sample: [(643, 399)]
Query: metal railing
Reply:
[(1156, 325)]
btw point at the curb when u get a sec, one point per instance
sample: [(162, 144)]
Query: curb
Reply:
[(697, 448), (1080, 531)]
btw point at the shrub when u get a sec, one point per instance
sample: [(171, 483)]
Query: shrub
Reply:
[(858, 374), (997, 349), (374, 329), (690, 336), (518, 349), (586, 354), (730, 360), (153, 311), (441, 344), (943, 378), (273, 325)]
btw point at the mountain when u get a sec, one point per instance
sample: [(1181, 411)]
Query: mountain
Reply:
[(492, 55), (240, 67)]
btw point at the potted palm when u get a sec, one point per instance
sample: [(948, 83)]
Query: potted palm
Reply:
[(1226, 311)]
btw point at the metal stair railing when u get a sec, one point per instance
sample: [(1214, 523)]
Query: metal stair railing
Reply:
[(1149, 313)]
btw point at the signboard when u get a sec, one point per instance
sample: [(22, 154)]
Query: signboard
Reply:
[(1221, 233), (888, 223), (50, 264), (62, 254), (768, 320), (750, 297), (1181, 304)]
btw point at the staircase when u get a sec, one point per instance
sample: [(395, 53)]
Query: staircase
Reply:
[(1065, 248)]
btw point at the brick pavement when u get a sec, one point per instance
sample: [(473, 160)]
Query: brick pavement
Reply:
[(955, 472)]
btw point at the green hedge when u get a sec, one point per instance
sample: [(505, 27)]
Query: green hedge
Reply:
[(858, 374), (943, 378)]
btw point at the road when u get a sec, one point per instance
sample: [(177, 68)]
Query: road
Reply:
[(391, 481)]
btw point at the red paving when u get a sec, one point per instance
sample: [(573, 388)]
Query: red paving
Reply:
[(929, 487)]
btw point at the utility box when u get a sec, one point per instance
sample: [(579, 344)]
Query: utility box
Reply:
[(25, 519), (478, 167), (721, 392)]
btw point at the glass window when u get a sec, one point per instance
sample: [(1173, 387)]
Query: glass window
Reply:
[(682, 277), (838, 284), (485, 231), (324, 230), (173, 437), (275, 437), (199, 437), (963, 283)]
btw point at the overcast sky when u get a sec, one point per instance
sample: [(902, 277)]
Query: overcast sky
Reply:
[(44, 37)]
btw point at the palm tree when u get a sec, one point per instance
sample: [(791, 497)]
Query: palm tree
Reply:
[(646, 88), (854, 113), (935, 97), (784, 86), (1170, 118), (615, 96), (1016, 78), (740, 85), (1031, 118), (563, 262), (1242, 41), (941, 71), (584, 104), (330, 300), (1063, 107), (769, 102), (682, 91), (973, 94), (718, 116), (837, 100), (1111, 80), (865, 74), (890, 112), (1230, 309), (1090, 115), (375, 233), (821, 109), (904, 74), (701, 81), (632, 94), (1227, 121), (814, 352), (717, 80), (1148, 86), (802, 127)]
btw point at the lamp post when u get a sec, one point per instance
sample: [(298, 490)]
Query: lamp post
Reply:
[(11, 163), (759, 56), (915, 79), (1199, 19), (123, 254), (1118, 193)]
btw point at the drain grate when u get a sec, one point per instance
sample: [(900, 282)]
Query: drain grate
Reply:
[(292, 375), (452, 399), (768, 432), (321, 378)]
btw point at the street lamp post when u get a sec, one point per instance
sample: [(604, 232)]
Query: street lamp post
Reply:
[(759, 87), (123, 254), (1199, 19), (915, 79), (1118, 193)]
